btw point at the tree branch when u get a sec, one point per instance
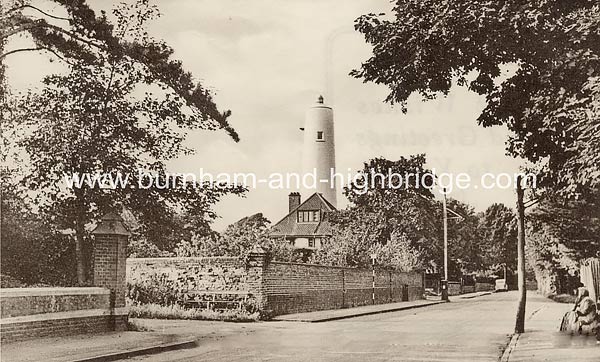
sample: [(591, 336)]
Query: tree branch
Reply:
[(35, 8), (56, 28), (17, 30), (530, 203), (2, 56)]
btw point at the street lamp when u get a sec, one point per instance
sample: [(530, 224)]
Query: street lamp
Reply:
[(456, 216), (373, 259)]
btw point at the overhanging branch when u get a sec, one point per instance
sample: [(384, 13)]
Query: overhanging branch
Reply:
[(38, 9), (2, 56)]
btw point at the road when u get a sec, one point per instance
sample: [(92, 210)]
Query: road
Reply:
[(475, 329)]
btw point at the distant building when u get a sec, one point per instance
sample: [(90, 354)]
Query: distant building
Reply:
[(306, 225)]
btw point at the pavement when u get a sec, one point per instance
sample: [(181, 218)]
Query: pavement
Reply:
[(470, 295), (94, 347), (542, 340), (336, 314)]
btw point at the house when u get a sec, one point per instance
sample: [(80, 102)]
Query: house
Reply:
[(306, 225)]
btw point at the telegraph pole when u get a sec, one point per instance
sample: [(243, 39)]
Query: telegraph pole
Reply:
[(373, 259)]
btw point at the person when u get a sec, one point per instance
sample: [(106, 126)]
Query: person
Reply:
[(584, 318)]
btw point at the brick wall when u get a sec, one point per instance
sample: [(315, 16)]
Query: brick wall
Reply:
[(468, 289), (38, 312), (454, 288), (293, 288), (110, 255), (484, 287)]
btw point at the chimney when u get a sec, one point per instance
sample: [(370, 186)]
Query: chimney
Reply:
[(294, 200)]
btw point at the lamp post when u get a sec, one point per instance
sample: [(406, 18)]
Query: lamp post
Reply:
[(445, 216), (373, 259), (445, 281)]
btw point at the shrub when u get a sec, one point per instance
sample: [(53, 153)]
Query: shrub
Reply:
[(156, 289), (142, 248), (175, 311)]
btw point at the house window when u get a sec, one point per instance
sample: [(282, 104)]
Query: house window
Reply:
[(320, 136), (311, 243), (309, 216)]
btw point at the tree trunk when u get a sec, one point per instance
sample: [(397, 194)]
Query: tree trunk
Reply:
[(80, 253), (520, 322)]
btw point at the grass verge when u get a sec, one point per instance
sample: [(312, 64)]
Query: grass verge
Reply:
[(156, 311)]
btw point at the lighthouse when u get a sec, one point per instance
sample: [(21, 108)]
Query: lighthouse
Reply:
[(318, 154), (306, 224)]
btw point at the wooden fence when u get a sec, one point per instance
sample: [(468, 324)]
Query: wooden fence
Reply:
[(590, 277)]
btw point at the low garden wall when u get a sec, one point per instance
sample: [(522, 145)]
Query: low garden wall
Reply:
[(455, 288), (275, 287), (27, 313), (168, 281), (484, 287), (39, 312)]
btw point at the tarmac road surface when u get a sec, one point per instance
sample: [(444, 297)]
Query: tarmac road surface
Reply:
[(475, 329)]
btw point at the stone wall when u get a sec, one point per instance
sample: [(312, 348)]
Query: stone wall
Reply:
[(211, 273), (38, 312)]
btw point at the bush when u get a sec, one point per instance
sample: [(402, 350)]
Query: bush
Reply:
[(156, 289), (175, 311), (142, 248)]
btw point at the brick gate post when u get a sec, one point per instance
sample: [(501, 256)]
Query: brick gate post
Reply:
[(256, 265), (109, 258)]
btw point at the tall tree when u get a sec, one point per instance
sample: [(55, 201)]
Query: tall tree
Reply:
[(383, 204), (123, 105), (561, 232), (464, 234), (552, 46), (499, 232)]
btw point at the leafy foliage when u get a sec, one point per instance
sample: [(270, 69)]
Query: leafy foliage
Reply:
[(238, 239), (33, 251), (124, 105), (386, 208), (89, 38), (403, 225), (426, 46), (499, 234), (563, 232)]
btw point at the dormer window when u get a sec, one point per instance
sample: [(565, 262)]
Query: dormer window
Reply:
[(320, 136), (306, 216)]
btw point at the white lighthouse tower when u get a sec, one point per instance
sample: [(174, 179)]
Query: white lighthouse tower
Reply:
[(318, 155)]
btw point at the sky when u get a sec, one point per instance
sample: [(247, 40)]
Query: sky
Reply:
[(267, 61)]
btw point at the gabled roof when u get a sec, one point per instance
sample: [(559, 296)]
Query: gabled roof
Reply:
[(289, 226)]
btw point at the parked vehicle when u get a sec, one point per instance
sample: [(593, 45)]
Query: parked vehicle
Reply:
[(501, 285)]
